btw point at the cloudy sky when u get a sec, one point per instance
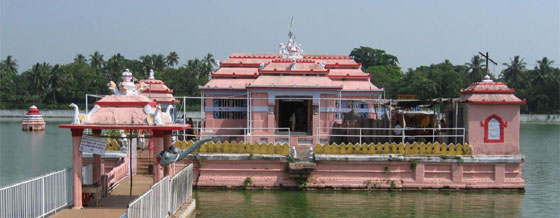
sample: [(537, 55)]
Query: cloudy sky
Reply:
[(417, 32)]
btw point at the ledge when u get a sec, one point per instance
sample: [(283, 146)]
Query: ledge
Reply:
[(204, 156), (108, 154), (425, 158)]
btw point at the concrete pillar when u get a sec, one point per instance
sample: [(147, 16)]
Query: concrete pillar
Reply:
[(166, 144), (97, 166), (158, 147), (499, 173), (77, 167), (419, 174), (457, 173)]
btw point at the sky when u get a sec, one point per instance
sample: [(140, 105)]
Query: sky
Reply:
[(417, 32)]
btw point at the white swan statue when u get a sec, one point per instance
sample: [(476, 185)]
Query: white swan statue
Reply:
[(157, 116), (90, 113), (76, 114)]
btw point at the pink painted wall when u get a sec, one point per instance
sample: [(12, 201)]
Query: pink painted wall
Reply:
[(478, 113), (211, 122), (360, 175)]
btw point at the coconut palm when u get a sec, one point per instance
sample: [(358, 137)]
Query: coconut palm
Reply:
[(115, 65), (514, 74), (80, 58), (159, 62), (476, 68), (544, 74), (9, 65), (96, 60), (172, 59)]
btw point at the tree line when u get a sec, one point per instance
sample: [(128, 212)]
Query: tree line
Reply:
[(55, 86), (539, 85)]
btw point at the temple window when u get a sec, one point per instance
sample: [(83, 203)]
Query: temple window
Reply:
[(494, 129), (229, 108)]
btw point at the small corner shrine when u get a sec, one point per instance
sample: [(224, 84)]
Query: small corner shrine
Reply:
[(126, 109), (493, 118), (33, 120), (277, 91), (156, 90)]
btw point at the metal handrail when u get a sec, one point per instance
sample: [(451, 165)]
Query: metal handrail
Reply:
[(245, 135), (403, 134), (153, 203), (36, 197)]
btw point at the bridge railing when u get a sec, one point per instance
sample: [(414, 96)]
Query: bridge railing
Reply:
[(165, 197), (37, 197), (181, 188)]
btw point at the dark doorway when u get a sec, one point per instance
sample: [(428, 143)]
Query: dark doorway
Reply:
[(294, 114)]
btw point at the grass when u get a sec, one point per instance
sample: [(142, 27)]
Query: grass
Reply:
[(247, 182)]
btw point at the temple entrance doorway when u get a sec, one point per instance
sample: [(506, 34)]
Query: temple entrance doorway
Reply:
[(294, 114)]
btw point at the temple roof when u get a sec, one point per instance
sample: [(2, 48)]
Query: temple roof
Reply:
[(316, 82), (33, 110), (158, 91), (356, 85), (489, 92), (227, 83), (126, 112)]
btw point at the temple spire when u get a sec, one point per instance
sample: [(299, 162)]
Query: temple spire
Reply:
[(292, 49)]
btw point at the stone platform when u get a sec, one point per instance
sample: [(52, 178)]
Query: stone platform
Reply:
[(359, 172)]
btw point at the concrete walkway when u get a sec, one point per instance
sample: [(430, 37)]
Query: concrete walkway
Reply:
[(114, 205)]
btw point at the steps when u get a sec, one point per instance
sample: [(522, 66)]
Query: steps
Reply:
[(301, 169), (145, 164)]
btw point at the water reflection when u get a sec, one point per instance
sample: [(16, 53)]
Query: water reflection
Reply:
[(237, 203)]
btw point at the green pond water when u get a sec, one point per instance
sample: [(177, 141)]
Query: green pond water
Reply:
[(24, 155)]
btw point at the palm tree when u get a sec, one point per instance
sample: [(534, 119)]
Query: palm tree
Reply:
[(514, 72), (40, 76), (172, 59), (96, 60), (80, 58), (544, 74), (55, 81), (476, 68), (9, 65), (209, 63), (158, 62), (115, 65)]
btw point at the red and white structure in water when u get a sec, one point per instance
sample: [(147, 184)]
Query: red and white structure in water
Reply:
[(33, 120)]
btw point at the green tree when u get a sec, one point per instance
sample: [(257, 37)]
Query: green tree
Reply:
[(80, 58), (172, 59), (115, 66), (476, 69), (9, 65), (373, 57), (514, 74), (96, 60), (387, 77)]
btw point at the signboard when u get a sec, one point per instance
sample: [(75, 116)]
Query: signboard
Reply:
[(92, 144), (494, 129)]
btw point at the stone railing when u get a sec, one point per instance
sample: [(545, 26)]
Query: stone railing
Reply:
[(118, 173), (236, 147), (394, 148)]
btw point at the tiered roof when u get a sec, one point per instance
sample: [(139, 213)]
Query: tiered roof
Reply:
[(158, 91), (490, 92), (128, 110), (241, 71)]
